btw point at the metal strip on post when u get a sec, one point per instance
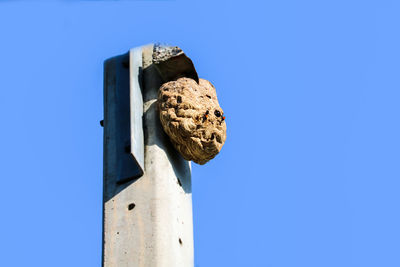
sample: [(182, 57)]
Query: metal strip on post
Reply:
[(147, 221), (123, 108), (136, 106)]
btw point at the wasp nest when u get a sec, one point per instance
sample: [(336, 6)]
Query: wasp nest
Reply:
[(190, 114)]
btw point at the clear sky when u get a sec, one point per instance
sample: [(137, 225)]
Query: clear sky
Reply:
[(309, 175)]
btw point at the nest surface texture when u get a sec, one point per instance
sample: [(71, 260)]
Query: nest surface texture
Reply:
[(191, 116)]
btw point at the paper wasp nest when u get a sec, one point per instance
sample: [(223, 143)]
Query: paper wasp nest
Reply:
[(190, 114)]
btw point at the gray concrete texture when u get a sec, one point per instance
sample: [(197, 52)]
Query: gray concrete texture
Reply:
[(148, 220)]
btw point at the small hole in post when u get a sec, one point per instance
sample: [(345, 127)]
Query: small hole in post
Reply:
[(131, 206), (180, 241)]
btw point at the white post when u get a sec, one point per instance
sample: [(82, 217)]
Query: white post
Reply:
[(148, 219)]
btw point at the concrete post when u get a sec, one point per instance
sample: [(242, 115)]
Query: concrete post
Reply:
[(147, 220)]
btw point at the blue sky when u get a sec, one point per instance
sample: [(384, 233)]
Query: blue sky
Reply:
[(309, 175)]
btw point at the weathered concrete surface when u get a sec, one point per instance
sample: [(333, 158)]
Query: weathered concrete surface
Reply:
[(190, 114), (148, 222), (172, 63)]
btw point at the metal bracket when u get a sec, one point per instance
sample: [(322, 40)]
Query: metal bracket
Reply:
[(123, 86)]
